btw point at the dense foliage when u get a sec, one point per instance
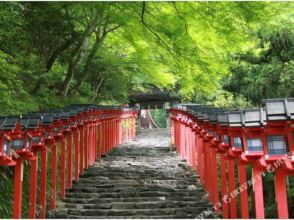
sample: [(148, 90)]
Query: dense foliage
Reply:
[(54, 53), (159, 116), (222, 53)]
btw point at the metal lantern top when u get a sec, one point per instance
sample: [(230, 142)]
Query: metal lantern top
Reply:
[(253, 117), (223, 119), (279, 109), (10, 123), (235, 118)]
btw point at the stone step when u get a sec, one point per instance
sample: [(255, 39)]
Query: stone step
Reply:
[(134, 170), (132, 212), (100, 182), (139, 205), (139, 174), (167, 184), (193, 188), (132, 199), (132, 194), (149, 216), (143, 178)]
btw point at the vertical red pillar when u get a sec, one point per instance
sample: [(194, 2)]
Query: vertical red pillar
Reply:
[(125, 130), (205, 165), (17, 201), (69, 160), (188, 145), (182, 148), (99, 140), (33, 188), (121, 131), (128, 129), (233, 203), (176, 135), (193, 152), (116, 132), (243, 193), (179, 136), (225, 208), (134, 127), (110, 134), (53, 176), (62, 168), (214, 178), (86, 146), (43, 182), (102, 137), (258, 192), (209, 184), (76, 138), (200, 158), (281, 195), (105, 137), (90, 161), (89, 146), (93, 144), (96, 140), (82, 150)]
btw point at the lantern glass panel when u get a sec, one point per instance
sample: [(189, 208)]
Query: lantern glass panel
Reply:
[(36, 140), (254, 144), (17, 144), (56, 130), (226, 139), (5, 147), (237, 142), (276, 145), (65, 126), (28, 143)]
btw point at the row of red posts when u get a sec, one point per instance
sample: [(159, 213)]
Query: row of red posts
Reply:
[(215, 141), (76, 136)]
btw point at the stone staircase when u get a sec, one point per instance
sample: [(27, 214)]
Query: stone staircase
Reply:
[(138, 180)]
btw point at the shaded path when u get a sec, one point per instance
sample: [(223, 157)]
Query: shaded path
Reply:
[(142, 179)]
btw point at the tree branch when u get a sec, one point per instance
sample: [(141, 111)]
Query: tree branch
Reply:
[(181, 17), (152, 31)]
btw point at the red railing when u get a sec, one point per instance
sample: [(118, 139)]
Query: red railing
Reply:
[(214, 140), (76, 137)]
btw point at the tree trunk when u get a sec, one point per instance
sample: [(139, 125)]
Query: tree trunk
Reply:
[(58, 51), (78, 55), (53, 57), (97, 89), (99, 40)]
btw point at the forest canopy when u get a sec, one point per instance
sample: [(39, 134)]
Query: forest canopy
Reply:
[(221, 53)]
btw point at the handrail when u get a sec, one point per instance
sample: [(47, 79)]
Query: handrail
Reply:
[(213, 140), (76, 135)]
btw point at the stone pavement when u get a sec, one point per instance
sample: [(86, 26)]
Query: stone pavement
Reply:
[(142, 179)]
